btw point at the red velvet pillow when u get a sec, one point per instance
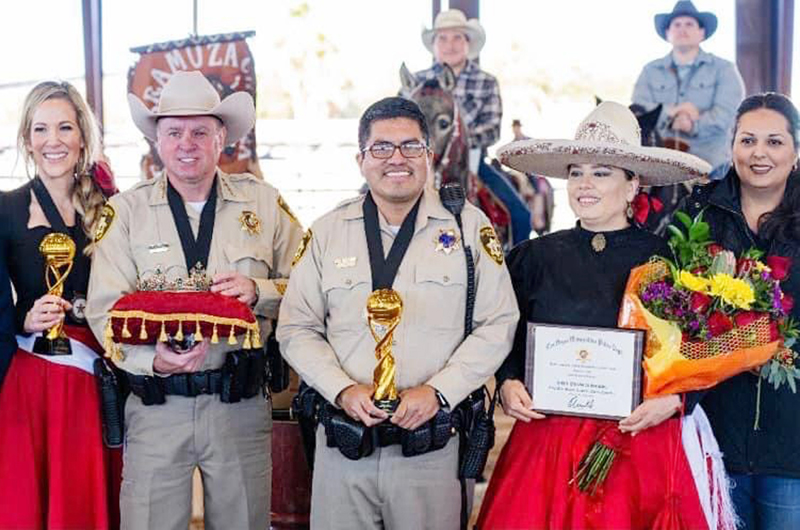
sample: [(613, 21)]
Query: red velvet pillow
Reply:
[(178, 313)]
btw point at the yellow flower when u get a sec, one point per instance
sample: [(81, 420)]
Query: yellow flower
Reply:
[(692, 282), (733, 291)]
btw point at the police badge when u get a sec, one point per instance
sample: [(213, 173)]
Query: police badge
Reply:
[(447, 241), (250, 222)]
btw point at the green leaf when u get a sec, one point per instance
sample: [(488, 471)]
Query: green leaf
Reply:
[(792, 384), (699, 232), (699, 217), (683, 218), (676, 233)]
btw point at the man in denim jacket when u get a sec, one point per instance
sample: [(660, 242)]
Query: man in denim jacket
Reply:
[(698, 90)]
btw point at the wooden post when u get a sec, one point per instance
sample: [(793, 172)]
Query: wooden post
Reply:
[(93, 56), (764, 44)]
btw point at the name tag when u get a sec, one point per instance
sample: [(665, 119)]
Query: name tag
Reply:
[(158, 248), (345, 263)]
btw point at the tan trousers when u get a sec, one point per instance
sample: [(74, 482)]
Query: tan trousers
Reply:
[(386, 490), (229, 442)]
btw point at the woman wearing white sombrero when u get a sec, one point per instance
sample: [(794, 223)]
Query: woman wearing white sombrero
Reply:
[(577, 277)]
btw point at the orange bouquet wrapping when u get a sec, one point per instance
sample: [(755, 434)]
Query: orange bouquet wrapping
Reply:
[(672, 364), (710, 315)]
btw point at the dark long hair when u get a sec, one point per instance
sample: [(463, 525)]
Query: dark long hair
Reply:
[(784, 221)]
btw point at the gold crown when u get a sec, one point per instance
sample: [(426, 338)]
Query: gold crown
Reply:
[(157, 280)]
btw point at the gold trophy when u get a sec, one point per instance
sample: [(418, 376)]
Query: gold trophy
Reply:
[(384, 309), (59, 254)]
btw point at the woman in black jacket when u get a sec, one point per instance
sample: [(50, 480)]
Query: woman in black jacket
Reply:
[(758, 205)]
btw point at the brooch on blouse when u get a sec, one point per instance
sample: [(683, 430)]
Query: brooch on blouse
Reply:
[(599, 242)]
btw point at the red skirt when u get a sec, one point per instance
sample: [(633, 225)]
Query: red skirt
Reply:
[(55, 471), (650, 484)]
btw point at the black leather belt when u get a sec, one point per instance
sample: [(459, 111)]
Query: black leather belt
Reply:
[(242, 376), (189, 385)]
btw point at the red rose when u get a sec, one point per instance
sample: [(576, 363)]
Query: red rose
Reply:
[(780, 266), (787, 302), (719, 323), (744, 266), (685, 337), (700, 302), (698, 271), (714, 249), (774, 334), (746, 317)]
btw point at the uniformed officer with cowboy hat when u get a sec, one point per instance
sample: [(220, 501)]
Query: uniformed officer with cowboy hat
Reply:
[(243, 233)]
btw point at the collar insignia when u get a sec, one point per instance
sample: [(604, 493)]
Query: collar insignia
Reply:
[(250, 222), (447, 241)]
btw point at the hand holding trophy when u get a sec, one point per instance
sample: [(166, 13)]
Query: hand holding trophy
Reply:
[(384, 309), (59, 254)]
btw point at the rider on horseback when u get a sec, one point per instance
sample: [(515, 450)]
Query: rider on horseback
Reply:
[(455, 43)]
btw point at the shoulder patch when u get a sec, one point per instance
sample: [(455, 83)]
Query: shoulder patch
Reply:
[(288, 211), (301, 249), (491, 244), (107, 215)]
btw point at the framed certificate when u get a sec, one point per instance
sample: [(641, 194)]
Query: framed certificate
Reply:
[(584, 371)]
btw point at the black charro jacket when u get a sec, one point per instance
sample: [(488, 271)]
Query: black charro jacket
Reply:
[(731, 406)]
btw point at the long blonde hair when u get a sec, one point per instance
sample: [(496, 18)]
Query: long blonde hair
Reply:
[(87, 199)]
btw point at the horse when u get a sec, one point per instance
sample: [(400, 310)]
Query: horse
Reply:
[(500, 198)]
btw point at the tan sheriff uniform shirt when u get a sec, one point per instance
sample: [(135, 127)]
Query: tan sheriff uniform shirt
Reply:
[(142, 237), (323, 329)]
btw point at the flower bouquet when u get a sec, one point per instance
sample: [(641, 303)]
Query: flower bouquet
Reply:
[(710, 315)]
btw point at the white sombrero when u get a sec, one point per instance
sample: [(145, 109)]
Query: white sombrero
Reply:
[(610, 136), (456, 19), (191, 94)]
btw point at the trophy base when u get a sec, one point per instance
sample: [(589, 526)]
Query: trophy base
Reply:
[(387, 405), (57, 346)]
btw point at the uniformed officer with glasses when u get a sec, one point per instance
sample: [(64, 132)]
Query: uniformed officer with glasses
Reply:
[(398, 236)]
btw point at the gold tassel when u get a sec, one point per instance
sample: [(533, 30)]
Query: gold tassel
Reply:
[(108, 334), (126, 334), (198, 334), (257, 338), (231, 336), (143, 330), (214, 336), (246, 343), (163, 336), (179, 334)]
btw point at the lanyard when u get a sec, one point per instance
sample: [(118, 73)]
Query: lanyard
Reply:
[(195, 252), (385, 270), (57, 223)]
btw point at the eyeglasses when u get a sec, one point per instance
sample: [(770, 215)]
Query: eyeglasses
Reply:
[(384, 150)]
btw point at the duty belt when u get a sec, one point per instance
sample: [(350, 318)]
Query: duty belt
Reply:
[(242, 376)]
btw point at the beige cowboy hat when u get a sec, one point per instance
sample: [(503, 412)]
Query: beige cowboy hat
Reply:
[(609, 135), (456, 19), (191, 94)]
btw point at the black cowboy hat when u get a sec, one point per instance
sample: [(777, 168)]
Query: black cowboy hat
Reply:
[(685, 8)]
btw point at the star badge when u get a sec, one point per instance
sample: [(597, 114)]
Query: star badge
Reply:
[(250, 222), (447, 241)]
